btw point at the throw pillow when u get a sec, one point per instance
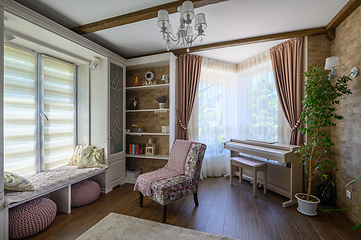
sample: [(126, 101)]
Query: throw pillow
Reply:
[(15, 182), (75, 158), (91, 157)]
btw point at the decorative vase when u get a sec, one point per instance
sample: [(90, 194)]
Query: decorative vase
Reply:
[(139, 130), (306, 207), (161, 105)]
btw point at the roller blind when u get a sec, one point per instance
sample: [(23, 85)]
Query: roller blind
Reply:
[(36, 85), (58, 101), (20, 74)]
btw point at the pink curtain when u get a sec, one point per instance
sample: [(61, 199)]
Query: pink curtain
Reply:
[(287, 69), (189, 71)]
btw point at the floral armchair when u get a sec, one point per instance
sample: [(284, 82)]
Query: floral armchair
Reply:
[(171, 189)]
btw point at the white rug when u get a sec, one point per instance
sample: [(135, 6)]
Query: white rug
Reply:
[(117, 226)]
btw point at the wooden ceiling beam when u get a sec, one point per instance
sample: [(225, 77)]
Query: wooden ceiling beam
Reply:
[(252, 40), (137, 16), (346, 11)]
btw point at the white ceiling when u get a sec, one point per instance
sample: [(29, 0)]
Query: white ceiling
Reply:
[(230, 20)]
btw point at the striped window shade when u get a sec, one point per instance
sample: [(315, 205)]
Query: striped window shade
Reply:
[(59, 106), (20, 86)]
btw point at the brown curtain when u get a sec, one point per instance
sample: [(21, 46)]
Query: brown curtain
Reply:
[(189, 71), (287, 69)]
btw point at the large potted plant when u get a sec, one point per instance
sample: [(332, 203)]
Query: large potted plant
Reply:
[(322, 93)]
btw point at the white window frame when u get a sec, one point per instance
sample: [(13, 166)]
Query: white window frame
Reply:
[(40, 106)]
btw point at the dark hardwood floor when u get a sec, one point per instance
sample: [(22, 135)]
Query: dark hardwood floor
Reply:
[(226, 210)]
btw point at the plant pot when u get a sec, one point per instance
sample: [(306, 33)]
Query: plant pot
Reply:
[(161, 105), (139, 130), (306, 207)]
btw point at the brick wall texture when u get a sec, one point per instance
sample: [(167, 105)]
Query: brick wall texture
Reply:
[(347, 134)]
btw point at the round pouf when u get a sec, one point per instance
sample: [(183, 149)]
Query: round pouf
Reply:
[(83, 193), (31, 217)]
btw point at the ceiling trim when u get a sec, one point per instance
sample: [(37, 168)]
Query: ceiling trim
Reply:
[(245, 41), (346, 11), (137, 16)]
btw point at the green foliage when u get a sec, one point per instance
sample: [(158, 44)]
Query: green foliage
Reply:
[(319, 112)]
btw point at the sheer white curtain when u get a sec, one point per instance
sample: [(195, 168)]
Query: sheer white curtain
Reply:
[(235, 101), (212, 120), (260, 116)]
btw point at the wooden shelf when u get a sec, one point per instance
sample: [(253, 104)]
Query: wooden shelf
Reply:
[(145, 133), (157, 86), (149, 110), (159, 156)]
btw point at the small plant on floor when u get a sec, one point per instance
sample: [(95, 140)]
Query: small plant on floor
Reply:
[(321, 96), (332, 210), (162, 98)]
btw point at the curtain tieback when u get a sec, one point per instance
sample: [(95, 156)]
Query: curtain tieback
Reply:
[(296, 125), (181, 125)]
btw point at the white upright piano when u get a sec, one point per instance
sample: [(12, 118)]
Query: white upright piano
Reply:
[(281, 179)]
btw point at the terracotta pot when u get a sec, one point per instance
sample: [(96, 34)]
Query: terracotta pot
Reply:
[(306, 207)]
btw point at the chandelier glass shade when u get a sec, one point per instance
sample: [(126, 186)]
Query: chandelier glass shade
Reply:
[(184, 35)]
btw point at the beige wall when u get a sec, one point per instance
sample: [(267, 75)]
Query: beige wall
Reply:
[(347, 134)]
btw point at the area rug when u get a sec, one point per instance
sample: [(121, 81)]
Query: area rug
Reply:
[(118, 226)]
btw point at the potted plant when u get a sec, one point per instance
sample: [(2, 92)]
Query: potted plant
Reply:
[(321, 95), (162, 100)]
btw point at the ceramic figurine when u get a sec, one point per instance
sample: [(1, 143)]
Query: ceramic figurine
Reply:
[(133, 105)]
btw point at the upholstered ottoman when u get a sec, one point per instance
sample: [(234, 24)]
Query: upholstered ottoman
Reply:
[(84, 192), (31, 217)]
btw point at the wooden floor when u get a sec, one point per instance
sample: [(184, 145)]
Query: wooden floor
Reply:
[(223, 210)]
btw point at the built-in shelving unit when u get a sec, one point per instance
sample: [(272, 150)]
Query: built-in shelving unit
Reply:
[(157, 86), (157, 110), (148, 111), (157, 156), (146, 133)]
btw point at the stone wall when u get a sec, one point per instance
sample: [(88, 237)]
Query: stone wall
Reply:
[(347, 134)]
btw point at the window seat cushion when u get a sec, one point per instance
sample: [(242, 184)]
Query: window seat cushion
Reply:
[(51, 180)]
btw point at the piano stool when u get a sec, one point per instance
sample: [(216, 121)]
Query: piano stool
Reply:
[(254, 166)]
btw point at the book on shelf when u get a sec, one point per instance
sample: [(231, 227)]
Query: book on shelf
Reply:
[(136, 149)]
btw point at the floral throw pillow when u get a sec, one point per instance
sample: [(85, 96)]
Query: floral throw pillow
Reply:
[(15, 182), (91, 157)]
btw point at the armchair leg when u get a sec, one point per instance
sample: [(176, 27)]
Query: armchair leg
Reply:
[(164, 215), (195, 197), (140, 199)]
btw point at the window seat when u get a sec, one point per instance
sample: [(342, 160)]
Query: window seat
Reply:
[(56, 182)]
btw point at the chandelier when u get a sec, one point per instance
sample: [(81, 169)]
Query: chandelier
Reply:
[(184, 36)]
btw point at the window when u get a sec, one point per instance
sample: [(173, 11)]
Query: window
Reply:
[(39, 111), (235, 101), (262, 118)]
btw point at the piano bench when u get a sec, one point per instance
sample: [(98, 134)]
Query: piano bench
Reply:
[(254, 166)]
